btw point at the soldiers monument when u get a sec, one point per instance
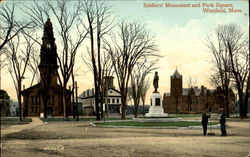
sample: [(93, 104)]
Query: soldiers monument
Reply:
[(156, 109)]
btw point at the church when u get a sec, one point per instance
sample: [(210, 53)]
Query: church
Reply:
[(45, 98), (194, 99)]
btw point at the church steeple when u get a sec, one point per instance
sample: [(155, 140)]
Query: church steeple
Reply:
[(48, 56)]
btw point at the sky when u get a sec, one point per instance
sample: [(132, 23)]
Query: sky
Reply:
[(180, 34)]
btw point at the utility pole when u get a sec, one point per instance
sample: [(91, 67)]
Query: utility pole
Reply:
[(77, 113)]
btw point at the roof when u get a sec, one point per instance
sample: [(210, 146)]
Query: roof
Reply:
[(176, 74), (194, 91), (115, 90), (81, 96), (38, 85), (185, 91)]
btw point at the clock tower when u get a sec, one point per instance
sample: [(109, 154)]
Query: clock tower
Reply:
[(48, 57)]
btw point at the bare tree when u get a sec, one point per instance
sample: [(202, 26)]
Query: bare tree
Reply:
[(33, 64), (98, 17), (215, 78), (138, 80), (72, 32), (132, 44), (238, 48), (107, 70), (222, 62), (18, 55), (10, 25), (2, 64), (145, 87), (191, 82)]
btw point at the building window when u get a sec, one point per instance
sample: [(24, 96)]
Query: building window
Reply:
[(32, 109), (35, 109), (37, 99), (108, 100), (32, 99), (117, 101), (113, 101)]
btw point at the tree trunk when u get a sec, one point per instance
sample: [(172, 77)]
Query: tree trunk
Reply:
[(101, 102), (19, 101), (65, 116), (97, 103), (243, 106), (73, 100), (136, 111), (247, 95), (123, 100), (227, 103), (143, 107)]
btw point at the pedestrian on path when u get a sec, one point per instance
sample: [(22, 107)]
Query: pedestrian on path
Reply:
[(204, 122), (223, 123)]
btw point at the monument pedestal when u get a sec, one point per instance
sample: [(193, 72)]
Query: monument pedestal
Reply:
[(156, 109)]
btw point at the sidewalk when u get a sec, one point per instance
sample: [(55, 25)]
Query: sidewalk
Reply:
[(17, 128)]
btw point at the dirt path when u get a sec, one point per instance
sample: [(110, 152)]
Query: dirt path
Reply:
[(79, 139), (17, 128)]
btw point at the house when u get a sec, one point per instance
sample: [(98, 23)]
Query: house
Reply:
[(112, 98)]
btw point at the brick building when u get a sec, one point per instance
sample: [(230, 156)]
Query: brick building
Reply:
[(194, 99), (46, 96)]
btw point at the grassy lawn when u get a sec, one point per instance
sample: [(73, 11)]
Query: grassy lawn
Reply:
[(157, 117), (152, 124), (177, 115), (12, 121), (74, 119), (186, 115)]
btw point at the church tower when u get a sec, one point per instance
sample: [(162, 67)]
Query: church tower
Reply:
[(48, 57), (176, 84)]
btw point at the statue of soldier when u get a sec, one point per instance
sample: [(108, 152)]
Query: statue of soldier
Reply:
[(155, 82)]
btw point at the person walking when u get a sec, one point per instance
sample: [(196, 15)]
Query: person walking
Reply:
[(223, 123), (204, 122)]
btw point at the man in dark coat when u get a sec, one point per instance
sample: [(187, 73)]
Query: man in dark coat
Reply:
[(204, 122), (223, 123)]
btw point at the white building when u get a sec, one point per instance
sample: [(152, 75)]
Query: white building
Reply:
[(112, 98)]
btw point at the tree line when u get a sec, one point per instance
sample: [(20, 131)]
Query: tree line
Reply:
[(120, 48), (230, 50)]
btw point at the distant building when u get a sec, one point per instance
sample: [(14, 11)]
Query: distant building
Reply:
[(112, 98), (14, 108), (194, 99), (4, 103), (46, 96)]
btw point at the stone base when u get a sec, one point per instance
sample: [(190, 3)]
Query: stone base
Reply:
[(156, 112), (156, 109)]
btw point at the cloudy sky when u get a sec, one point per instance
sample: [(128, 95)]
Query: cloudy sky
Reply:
[(180, 34)]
